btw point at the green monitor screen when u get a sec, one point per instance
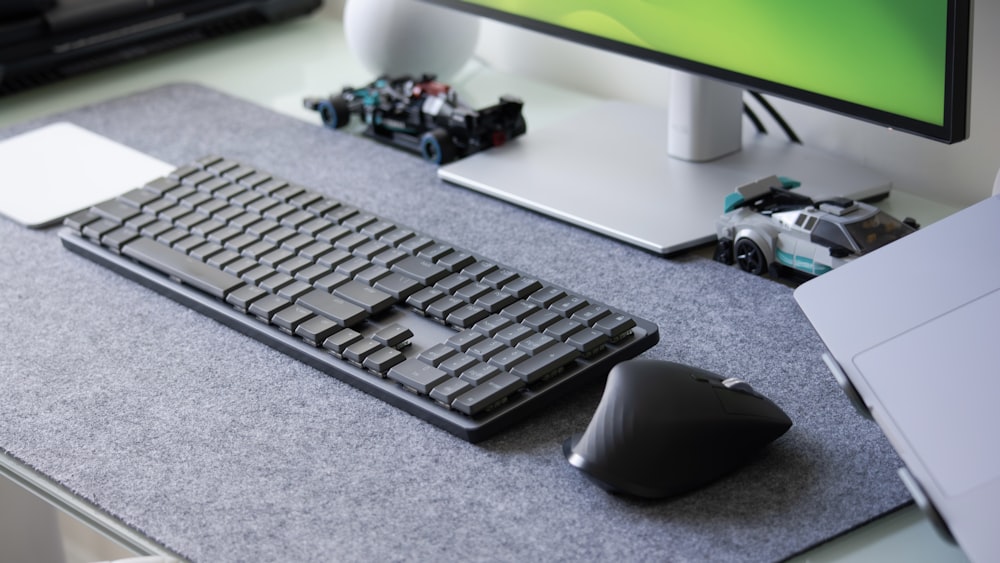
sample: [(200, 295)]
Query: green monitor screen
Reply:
[(902, 64)]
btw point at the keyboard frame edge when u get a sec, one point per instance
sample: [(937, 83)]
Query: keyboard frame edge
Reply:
[(470, 429)]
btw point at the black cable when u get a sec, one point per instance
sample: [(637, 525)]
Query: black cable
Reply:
[(777, 116), (754, 119)]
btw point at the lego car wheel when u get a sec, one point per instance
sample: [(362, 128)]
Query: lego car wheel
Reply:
[(436, 146), (520, 127), (750, 257), (334, 112)]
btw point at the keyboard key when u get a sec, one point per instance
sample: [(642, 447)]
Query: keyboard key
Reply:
[(211, 280), (321, 206), (486, 349), (304, 199), (499, 278), (495, 301), (161, 186), (398, 286), (479, 373), (514, 334), (396, 236), (266, 307), (368, 298), (616, 326), (479, 270), (507, 359), (452, 283), (487, 395), (274, 283), (338, 342), (568, 305), (333, 258), (464, 340), (291, 317), (491, 325), (115, 210), (422, 270), (455, 261), (371, 274), (377, 229), (449, 390), (444, 306), (457, 363), (436, 354), (388, 258), (330, 282), (315, 250), (415, 244), (587, 341), (471, 292), (294, 290), (535, 343), (350, 241), (591, 314), (519, 311), (101, 227), (171, 236), (138, 197), (360, 350), (522, 287), (316, 330), (334, 308), (352, 266), (382, 360), (467, 316), (311, 274), (116, 238), (202, 252), (243, 297), (80, 219), (434, 252), (418, 376), (393, 336), (563, 329), (424, 298), (546, 296), (546, 363)]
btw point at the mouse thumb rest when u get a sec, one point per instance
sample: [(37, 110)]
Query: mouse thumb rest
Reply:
[(662, 429)]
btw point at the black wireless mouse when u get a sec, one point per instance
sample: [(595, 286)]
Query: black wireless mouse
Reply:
[(662, 429)]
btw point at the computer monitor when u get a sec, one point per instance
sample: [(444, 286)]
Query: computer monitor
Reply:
[(659, 182)]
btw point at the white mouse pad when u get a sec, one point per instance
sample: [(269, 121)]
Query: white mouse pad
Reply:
[(56, 170)]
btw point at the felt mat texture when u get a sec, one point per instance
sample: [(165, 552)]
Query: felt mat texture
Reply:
[(223, 449)]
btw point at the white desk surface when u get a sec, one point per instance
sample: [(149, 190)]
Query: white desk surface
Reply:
[(276, 67)]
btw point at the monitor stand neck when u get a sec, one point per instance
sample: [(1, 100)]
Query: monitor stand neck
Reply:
[(705, 119), (608, 170)]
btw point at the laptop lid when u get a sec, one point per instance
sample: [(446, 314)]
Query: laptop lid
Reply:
[(912, 328), (45, 40)]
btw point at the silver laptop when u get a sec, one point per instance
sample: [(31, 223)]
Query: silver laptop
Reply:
[(913, 333)]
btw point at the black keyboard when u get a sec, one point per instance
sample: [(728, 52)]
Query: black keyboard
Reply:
[(441, 332)]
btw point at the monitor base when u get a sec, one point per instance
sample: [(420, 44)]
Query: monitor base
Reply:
[(608, 171)]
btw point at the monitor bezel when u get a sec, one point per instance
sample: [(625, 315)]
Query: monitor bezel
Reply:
[(955, 126)]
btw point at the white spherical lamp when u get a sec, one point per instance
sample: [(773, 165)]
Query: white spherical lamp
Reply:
[(409, 37)]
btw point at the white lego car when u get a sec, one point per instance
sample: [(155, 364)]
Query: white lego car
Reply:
[(765, 224)]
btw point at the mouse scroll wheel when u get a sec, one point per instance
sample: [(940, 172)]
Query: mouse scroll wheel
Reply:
[(736, 384)]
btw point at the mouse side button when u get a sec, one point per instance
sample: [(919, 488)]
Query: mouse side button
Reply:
[(742, 403), (737, 384)]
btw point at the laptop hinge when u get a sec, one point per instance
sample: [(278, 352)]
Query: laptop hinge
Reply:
[(847, 386)]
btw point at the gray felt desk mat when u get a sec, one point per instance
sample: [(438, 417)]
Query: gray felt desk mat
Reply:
[(223, 449)]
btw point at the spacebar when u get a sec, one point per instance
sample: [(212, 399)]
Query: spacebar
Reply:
[(181, 266)]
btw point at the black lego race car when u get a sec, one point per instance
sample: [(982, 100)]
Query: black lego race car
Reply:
[(424, 116)]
